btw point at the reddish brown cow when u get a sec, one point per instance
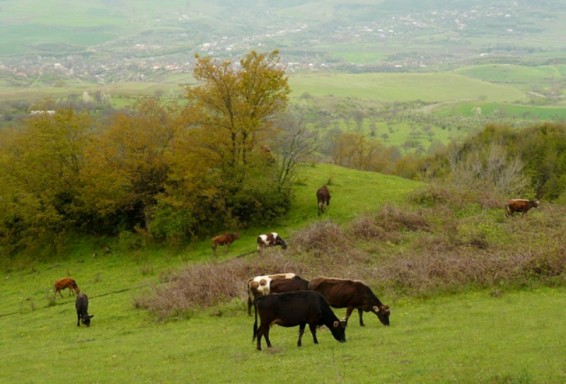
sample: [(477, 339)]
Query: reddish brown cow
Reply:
[(350, 294), (322, 198), (277, 283), (64, 283), (520, 205), (224, 239)]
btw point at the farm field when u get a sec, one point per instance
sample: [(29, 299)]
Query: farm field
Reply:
[(390, 87)]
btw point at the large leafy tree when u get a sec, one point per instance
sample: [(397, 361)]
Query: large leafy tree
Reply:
[(235, 104), (222, 169)]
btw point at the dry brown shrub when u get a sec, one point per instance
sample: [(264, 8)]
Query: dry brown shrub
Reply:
[(206, 285), (321, 238)]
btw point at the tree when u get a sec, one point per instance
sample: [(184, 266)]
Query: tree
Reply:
[(221, 171), (236, 103)]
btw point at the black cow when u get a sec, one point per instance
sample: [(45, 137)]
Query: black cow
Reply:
[(322, 198), (350, 294), (269, 240), (81, 304), (296, 308)]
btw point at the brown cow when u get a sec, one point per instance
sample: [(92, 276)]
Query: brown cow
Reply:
[(224, 239), (322, 198), (276, 283), (300, 308), (64, 283), (350, 294), (520, 205)]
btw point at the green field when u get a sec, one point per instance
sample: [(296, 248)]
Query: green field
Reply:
[(391, 87), (481, 336)]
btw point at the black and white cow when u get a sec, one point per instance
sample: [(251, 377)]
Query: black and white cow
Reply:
[(269, 240), (291, 309)]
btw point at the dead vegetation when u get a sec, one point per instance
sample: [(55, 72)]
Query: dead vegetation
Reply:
[(399, 251)]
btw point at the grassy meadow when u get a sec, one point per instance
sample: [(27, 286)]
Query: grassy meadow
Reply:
[(494, 335)]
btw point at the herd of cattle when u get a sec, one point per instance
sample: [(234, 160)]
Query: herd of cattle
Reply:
[(287, 299)]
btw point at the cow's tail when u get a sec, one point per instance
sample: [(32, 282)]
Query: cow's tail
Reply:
[(255, 323)]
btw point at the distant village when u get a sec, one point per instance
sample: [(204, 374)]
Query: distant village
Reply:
[(148, 57)]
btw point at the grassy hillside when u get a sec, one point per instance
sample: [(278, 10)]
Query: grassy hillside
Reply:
[(496, 335)]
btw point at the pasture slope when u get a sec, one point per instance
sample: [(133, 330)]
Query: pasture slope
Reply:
[(474, 337)]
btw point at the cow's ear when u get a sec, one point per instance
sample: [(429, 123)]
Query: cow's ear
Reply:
[(90, 316), (336, 324)]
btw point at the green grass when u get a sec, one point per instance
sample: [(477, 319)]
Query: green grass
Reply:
[(469, 338), (510, 110), (401, 87)]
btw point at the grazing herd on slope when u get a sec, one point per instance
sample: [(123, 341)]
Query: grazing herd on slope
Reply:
[(81, 301), (287, 299)]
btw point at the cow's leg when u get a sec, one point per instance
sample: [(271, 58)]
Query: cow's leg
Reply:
[(259, 334), (301, 331), (60, 293), (266, 337), (312, 327), (348, 313), (78, 319), (361, 313)]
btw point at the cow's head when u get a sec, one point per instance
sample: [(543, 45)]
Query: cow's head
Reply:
[(86, 319), (382, 313), (280, 241), (534, 203), (339, 330)]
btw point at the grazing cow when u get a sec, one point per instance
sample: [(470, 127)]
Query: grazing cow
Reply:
[(224, 239), (322, 198), (65, 283), (269, 240), (81, 305), (277, 283), (350, 294), (290, 309), (520, 205)]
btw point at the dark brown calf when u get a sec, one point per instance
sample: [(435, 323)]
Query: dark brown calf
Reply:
[(65, 283), (322, 198), (520, 205), (81, 305), (224, 239), (351, 294)]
